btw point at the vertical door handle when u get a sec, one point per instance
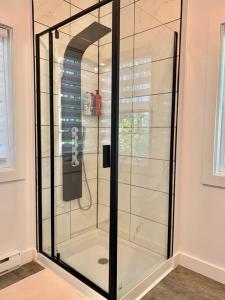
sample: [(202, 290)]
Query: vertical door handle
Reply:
[(106, 156)]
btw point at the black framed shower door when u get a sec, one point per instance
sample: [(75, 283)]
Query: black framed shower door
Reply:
[(72, 160), (71, 165)]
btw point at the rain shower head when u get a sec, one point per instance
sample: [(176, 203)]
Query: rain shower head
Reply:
[(88, 36)]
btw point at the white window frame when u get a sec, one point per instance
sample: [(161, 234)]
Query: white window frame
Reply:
[(212, 102), (9, 98), (17, 170)]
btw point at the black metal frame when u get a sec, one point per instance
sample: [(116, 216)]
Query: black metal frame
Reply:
[(113, 235), (114, 149), (174, 137), (172, 150)]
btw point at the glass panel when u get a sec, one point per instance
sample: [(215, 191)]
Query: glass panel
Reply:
[(81, 103), (44, 128), (220, 140), (6, 105), (146, 77)]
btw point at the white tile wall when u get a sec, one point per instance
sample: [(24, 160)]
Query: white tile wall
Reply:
[(156, 109), (153, 78), (149, 234), (150, 174), (62, 228), (149, 204), (123, 221), (50, 12), (83, 220), (145, 116), (153, 45), (151, 143), (124, 195), (150, 13)]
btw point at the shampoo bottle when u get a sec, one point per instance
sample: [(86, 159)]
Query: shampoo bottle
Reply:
[(98, 104)]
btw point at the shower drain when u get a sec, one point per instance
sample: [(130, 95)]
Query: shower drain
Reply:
[(103, 261)]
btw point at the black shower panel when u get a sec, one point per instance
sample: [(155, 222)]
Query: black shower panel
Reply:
[(71, 109)]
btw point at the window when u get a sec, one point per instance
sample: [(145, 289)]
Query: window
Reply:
[(6, 111), (219, 160)]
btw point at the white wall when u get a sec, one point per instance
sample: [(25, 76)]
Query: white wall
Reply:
[(17, 198), (200, 209)]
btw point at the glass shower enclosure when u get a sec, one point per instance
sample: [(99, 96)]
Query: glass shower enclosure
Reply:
[(106, 114)]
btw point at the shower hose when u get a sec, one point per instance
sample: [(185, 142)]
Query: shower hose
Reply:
[(86, 180)]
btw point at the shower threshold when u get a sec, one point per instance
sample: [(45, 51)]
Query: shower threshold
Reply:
[(84, 252)]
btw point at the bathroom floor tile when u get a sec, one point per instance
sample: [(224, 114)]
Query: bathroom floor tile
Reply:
[(184, 284), (19, 274)]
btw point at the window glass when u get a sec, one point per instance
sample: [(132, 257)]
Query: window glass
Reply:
[(6, 112)]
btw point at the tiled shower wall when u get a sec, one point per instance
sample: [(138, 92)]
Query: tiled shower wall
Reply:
[(147, 44), (69, 219), (145, 110)]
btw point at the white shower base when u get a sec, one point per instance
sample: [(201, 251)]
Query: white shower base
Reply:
[(134, 263)]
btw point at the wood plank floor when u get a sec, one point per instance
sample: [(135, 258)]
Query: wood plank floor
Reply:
[(183, 284), (19, 274)]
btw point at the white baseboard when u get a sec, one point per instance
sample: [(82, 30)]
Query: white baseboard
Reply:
[(200, 266), (27, 256)]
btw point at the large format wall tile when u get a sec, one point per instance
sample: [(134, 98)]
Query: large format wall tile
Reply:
[(126, 83), (123, 221), (150, 174), (149, 204), (124, 169), (46, 235), (151, 13), (107, 9), (151, 143), (62, 228), (83, 4), (126, 55), (124, 140), (51, 12), (153, 78), (155, 110), (90, 140), (154, 44), (126, 28), (123, 198), (149, 234), (145, 119), (83, 220)]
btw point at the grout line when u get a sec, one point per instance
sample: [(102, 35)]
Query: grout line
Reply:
[(140, 65), (123, 98), (120, 156), (146, 30), (132, 120), (138, 186), (73, 5), (136, 215), (68, 212)]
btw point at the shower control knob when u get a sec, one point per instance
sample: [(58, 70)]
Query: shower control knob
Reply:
[(75, 162)]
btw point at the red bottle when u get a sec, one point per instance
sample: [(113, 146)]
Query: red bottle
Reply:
[(98, 104)]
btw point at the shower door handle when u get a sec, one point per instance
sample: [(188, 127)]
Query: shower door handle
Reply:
[(106, 156)]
